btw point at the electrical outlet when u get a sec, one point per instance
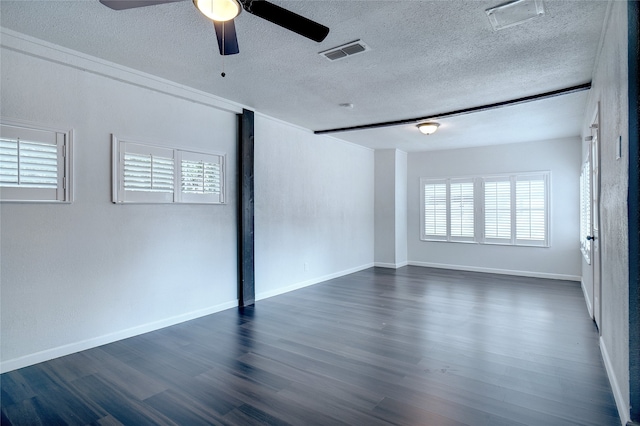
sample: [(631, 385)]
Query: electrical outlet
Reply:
[(306, 266)]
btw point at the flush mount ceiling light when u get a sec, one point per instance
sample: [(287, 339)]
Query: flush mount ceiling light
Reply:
[(218, 10), (428, 127)]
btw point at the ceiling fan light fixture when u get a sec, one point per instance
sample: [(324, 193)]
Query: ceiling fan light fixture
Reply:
[(428, 128), (218, 10)]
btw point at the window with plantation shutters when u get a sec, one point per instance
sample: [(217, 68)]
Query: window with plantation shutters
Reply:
[(34, 164), (585, 210), (148, 173), (531, 209), (201, 177), (516, 209), (448, 210), (145, 173), (461, 209), (497, 209), (435, 210), (502, 209)]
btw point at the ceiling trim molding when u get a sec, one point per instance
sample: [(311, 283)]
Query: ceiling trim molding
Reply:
[(532, 98), (44, 50)]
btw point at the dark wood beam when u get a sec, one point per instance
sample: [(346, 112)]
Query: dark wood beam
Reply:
[(464, 111), (246, 260)]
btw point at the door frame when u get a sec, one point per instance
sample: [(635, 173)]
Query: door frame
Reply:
[(596, 230)]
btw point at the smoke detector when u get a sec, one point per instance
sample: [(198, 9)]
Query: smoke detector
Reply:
[(514, 13), (342, 51)]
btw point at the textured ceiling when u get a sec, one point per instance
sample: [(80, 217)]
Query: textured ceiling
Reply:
[(427, 57)]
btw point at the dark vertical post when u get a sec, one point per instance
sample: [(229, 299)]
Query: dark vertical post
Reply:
[(633, 9), (246, 272)]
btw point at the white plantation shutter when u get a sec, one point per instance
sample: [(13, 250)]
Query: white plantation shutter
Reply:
[(28, 164), (448, 209), (585, 210), (32, 164), (497, 209), (461, 209), (201, 178), (147, 173), (531, 209), (435, 210), (503, 209), (144, 173)]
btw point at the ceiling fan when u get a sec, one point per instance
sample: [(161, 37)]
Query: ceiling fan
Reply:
[(222, 13)]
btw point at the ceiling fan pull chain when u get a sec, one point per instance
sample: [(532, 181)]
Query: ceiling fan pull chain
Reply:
[(223, 73)]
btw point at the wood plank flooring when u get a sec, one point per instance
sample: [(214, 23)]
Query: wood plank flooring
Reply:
[(413, 346)]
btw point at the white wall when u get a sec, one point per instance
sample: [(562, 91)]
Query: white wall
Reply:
[(314, 209), (390, 208), (610, 89), (561, 157), (401, 192), (75, 276)]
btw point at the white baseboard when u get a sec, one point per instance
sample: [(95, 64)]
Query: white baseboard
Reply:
[(586, 298), (497, 271), (623, 409), (49, 354), (390, 265), (266, 294)]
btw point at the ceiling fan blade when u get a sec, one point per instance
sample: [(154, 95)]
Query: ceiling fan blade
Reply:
[(131, 4), (227, 39), (286, 19)]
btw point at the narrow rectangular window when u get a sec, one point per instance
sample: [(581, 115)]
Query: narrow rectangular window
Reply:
[(461, 206), (497, 209), (585, 210), (531, 208), (435, 209)]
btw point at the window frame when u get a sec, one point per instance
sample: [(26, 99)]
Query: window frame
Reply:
[(480, 209), (423, 200), (474, 206), (545, 177), (483, 235), (448, 208), (62, 139), (120, 195)]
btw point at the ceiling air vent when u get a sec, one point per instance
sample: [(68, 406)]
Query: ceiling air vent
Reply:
[(514, 13), (345, 50)]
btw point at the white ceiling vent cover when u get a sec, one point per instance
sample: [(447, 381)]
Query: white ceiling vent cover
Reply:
[(349, 49), (514, 13)]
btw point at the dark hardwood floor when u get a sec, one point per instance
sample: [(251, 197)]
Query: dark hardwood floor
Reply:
[(413, 346)]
